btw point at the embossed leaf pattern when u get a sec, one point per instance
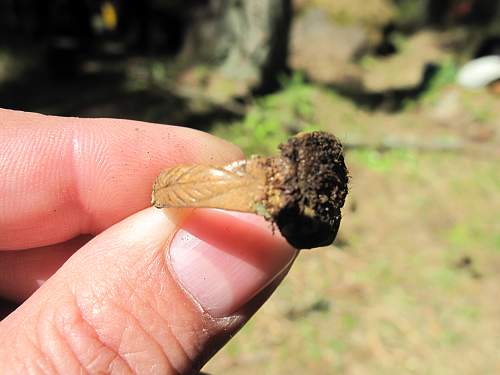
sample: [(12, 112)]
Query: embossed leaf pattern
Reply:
[(232, 187)]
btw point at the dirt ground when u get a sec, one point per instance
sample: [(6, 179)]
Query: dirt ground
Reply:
[(411, 284)]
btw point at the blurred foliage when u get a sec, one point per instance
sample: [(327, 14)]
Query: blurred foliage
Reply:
[(411, 13), (386, 162), (271, 119)]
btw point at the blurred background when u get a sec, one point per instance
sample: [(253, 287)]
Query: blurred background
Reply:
[(412, 283)]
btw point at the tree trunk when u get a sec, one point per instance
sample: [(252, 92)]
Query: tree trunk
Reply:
[(246, 40)]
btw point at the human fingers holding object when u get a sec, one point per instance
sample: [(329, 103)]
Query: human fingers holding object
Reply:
[(107, 285)]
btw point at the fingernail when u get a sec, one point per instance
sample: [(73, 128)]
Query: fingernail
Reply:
[(223, 260)]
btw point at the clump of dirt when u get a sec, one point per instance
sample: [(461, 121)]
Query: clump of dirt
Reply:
[(307, 187)]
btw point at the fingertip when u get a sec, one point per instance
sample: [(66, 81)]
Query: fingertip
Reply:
[(224, 259)]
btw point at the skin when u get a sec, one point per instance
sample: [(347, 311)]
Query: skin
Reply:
[(93, 280)]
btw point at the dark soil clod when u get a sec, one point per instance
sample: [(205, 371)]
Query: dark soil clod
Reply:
[(312, 179)]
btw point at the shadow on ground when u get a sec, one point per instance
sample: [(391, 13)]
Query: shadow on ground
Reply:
[(392, 100), (107, 92)]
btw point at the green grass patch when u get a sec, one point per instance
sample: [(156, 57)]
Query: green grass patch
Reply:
[(349, 321), (469, 236), (312, 345), (385, 162), (273, 118), (445, 76)]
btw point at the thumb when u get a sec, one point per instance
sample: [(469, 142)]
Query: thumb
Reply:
[(148, 296)]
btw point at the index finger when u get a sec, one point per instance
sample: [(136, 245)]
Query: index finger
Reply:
[(62, 177)]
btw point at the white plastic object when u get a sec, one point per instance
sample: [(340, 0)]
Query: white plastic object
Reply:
[(479, 72)]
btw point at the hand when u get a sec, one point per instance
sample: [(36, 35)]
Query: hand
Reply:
[(105, 287)]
